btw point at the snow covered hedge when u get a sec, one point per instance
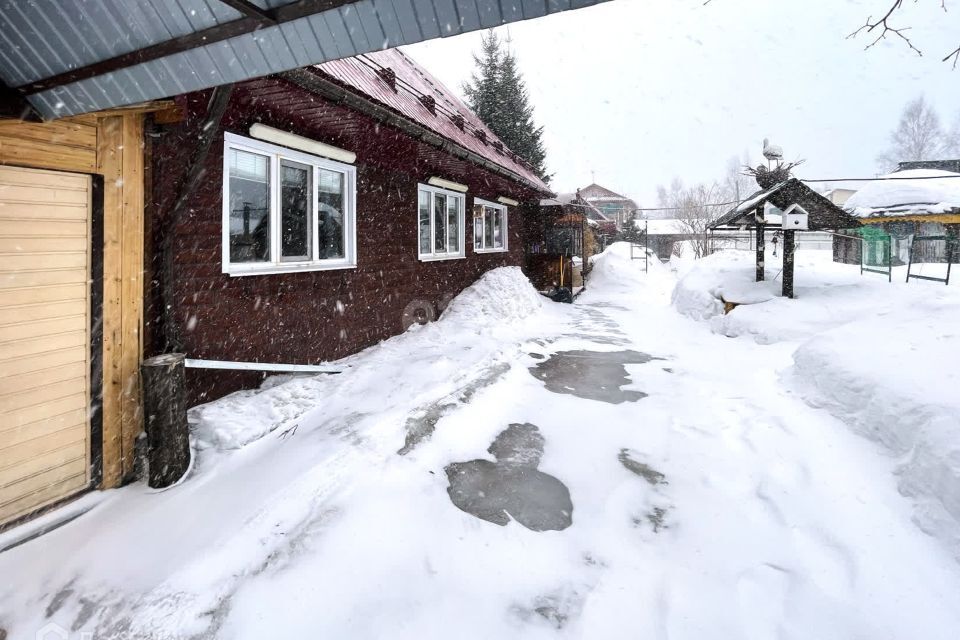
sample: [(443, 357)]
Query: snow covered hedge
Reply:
[(894, 378)]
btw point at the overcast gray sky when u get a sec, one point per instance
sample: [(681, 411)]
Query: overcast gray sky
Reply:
[(639, 91)]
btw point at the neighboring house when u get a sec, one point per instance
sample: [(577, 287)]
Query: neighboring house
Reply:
[(605, 226), (940, 165), (415, 198), (560, 240), (611, 204), (917, 201)]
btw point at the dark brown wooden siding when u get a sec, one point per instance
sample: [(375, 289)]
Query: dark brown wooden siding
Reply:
[(295, 318)]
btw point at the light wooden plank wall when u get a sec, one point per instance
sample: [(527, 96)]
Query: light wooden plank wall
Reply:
[(111, 145)]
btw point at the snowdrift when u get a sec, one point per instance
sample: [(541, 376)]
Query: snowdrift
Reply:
[(615, 268), (894, 379), (499, 301), (880, 357), (724, 276), (500, 295), (828, 295)]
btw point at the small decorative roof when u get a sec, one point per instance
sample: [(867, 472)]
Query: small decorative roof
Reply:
[(823, 213)]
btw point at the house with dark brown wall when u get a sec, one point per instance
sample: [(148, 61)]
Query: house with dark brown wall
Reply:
[(335, 205)]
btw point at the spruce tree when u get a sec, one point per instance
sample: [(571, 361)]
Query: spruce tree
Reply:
[(482, 89), (497, 94)]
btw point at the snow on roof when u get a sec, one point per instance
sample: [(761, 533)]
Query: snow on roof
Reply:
[(755, 199), (670, 226), (566, 198), (901, 193), (563, 199), (360, 73)]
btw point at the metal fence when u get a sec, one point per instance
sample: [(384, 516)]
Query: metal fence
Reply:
[(931, 257)]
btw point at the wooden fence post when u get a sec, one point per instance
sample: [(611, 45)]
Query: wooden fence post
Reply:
[(761, 242), (165, 419), (789, 247)]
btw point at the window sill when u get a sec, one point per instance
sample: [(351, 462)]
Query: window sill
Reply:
[(265, 270), (439, 258), (502, 250)]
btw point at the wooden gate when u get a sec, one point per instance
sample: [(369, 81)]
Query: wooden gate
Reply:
[(45, 352)]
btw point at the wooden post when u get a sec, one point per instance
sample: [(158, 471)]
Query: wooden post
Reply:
[(788, 249), (760, 244), (165, 413)]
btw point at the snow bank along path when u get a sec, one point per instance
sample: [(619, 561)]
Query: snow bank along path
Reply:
[(883, 358), (713, 504)]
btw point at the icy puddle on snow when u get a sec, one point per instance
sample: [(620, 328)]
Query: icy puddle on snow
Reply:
[(512, 487), (594, 375)]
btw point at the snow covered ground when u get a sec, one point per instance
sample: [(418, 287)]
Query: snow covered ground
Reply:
[(881, 356), (666, 476)]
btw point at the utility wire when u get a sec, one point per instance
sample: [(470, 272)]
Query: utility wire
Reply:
[(739, 202), (891, 177)]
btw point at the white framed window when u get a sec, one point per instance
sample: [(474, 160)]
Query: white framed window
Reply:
[(440, 223), (489, 226), (285, 210)]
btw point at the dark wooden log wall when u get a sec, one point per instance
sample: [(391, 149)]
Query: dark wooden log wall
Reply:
[(316, 316)]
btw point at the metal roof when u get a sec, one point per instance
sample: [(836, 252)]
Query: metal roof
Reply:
[(70, 56), (413, 81)]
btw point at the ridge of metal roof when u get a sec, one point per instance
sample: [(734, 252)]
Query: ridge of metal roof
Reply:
[(360, 73)]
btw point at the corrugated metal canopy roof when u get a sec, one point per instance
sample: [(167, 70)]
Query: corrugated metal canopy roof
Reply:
[(74, 56)]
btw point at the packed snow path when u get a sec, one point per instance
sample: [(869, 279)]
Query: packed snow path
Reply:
[(708, 501)]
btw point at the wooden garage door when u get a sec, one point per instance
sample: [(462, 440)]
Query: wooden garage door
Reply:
[(44, 338)]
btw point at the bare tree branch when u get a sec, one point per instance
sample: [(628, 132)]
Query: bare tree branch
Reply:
[(869, 28), (955, 54)]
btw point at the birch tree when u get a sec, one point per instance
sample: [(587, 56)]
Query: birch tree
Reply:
[(918, 136)]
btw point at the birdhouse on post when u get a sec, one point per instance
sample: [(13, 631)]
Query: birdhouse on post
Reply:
[(796, 218), (798, 207)]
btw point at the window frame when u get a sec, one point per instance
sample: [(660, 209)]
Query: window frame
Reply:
[(505, 216), (276, 154), (462, 221)]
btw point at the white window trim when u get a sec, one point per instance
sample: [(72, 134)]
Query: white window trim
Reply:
[(434, 257), (276, 154), (506, 225)]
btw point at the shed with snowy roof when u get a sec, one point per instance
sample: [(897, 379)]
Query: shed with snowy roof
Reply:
[(918, 207)]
